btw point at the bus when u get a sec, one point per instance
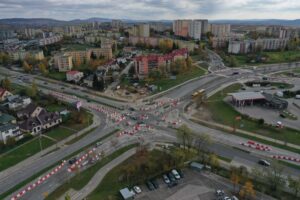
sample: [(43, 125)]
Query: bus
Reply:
[(198, 93)]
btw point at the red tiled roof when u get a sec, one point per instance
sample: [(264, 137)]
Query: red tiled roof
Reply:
[(73, 72), (169, 56), (2, 91)]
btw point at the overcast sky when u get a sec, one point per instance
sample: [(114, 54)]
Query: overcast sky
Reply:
[(151, 9)]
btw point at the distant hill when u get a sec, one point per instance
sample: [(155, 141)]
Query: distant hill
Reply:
[(280, 22)]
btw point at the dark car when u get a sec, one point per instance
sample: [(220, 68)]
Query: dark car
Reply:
[(180, 172), (172, 184), (155, 183), (150, 186), (235, 73), (264, 163), (72, 161), (171, 177)]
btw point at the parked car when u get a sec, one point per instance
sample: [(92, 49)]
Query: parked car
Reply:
[(176, 174), (137, 189), (72, 161), (220, 192), (166, 179), (264, 163), (227, 198), (150, 185), (171, 177), (172, 184), (234, 198), (155, 183), (180, 172)]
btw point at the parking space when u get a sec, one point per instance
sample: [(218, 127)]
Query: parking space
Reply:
[(195, 185)]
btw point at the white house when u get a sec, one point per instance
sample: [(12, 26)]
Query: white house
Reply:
[(18, 102), (74, 75), (9, 130)]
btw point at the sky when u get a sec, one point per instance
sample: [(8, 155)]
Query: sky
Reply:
[(151, 9)]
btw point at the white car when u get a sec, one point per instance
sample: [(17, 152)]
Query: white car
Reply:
[(176, 174), (137, 189), (166, 179), (220, 193)]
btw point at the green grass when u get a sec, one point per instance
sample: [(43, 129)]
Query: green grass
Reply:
[(79, 181), (59, 133), (225, 114), (55, 107), (38, 174), (11, 158), (60, 76), (272, 58), (167, 83)]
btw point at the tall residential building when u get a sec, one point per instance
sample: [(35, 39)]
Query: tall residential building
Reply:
[(64, 62), (195, 29), (220, 30), (22, 54), (204, 26), (141, 30), (116, 23), (181, 27)]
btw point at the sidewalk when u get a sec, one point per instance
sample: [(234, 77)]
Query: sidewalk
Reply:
[(61, 144), (230, 129), (97, 178)]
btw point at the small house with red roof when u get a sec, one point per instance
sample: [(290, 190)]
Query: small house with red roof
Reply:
[(4, 94), (74, 75)]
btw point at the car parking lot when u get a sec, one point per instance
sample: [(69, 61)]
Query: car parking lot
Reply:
[(194, 185)]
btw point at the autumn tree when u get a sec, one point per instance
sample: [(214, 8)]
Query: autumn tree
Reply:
[(189, 62), (247, 191), (4, 58), (214, 161), (43, 68), (32, 91), (165, 45), (26, 67), (6, 84), (235, 179)]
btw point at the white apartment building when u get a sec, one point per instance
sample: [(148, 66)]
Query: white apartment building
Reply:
[(220, 30), (195, 29)]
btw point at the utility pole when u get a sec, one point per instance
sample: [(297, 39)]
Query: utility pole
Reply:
[(40, 141)]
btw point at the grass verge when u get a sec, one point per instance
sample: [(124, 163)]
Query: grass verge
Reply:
[(79, 181)]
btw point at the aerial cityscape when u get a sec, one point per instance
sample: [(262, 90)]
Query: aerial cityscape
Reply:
[(149, 100)]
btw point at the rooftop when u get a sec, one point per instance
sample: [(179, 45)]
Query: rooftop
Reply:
[(242, 96)]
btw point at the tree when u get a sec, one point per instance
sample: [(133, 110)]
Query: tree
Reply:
[(4, 58), (43, 69), (32, 91), (214, 161), (201, 142), (67, 197), (165, 45), (155, 74), (235, 179), (247, 192), (294, 184), (184, 134), (26, 67), (261, 121), (275, 177), (189, 62), (6, 84)]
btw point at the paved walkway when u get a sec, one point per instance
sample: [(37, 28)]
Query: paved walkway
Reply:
[(61, 144), (230, 129), (97, 178)]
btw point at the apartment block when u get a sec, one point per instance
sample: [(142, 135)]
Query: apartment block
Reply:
[(181, 27), (64, 63), (220, 30), (22, 54), (144, 64), (141, 30), (195, 29)]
